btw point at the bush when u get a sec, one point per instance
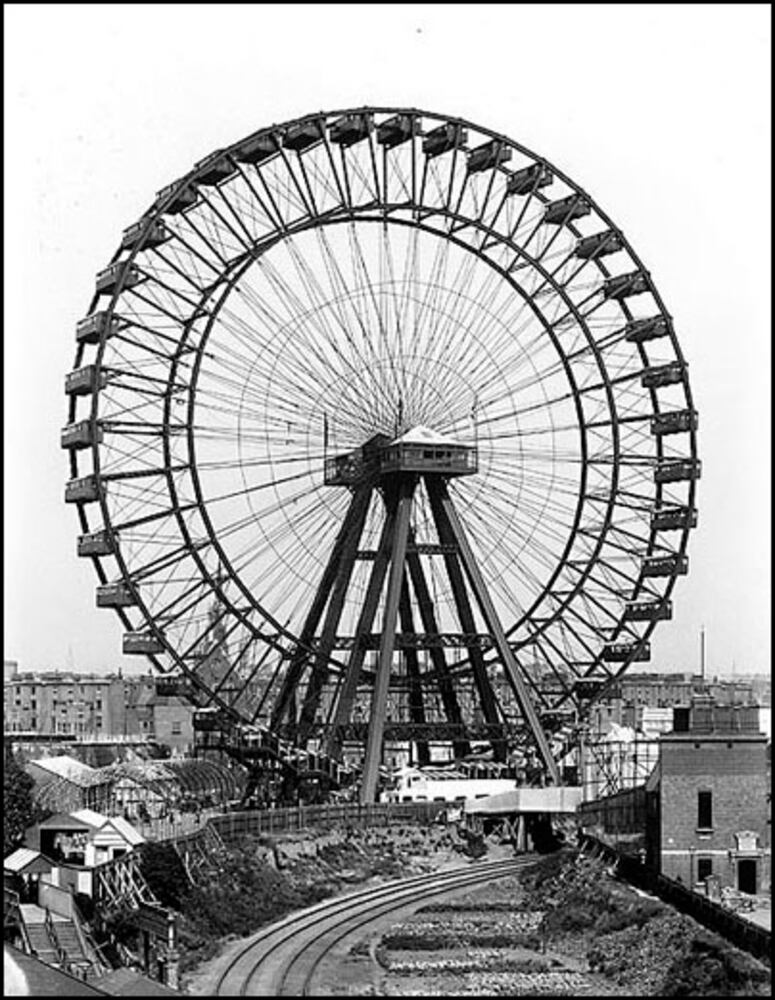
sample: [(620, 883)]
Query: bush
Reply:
[(711, 967), (672, 956), (241, 895), (634, 914), (164, 872)]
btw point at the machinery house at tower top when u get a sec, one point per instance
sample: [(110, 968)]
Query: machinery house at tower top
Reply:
[(419, 450)]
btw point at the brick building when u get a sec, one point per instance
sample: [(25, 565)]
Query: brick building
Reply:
[(713, 810)]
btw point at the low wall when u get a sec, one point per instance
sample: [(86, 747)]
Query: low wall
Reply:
[(58, 900)]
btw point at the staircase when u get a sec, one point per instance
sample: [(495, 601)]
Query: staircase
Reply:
[(37, 934), (57, 940), (71, 944)]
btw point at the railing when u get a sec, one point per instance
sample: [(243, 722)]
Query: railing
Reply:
[(739, 931), (61, 901), (12, 914), (61, 954), (13, 919)]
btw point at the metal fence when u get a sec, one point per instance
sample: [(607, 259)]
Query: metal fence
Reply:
[(736, 929)]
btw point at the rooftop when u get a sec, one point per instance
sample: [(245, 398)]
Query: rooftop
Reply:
[(25, 859), (424, 435), (64, 766)]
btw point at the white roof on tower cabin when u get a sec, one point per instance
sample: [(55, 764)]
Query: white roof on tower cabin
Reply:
[(424, 435)]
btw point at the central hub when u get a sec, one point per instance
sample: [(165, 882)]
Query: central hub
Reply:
[(419, 450)]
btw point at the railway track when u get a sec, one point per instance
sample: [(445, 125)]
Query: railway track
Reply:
[(284, 958)]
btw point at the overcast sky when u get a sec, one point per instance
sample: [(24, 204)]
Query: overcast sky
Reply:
[(661, 112)]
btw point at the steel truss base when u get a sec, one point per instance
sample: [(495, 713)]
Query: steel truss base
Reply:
[(397, 560)]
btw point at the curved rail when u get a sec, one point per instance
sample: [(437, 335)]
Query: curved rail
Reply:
[(283, 958)]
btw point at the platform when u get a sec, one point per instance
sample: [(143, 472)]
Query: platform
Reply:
[(555, 799)]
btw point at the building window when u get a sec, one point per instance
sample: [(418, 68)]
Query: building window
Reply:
[(705, 810), (176, 728), (704, 868)]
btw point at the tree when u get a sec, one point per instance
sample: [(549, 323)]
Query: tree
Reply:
[(19, 808)]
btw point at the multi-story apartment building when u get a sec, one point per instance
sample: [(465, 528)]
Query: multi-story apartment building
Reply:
[(73, 704), (626, 699), (662, 690)]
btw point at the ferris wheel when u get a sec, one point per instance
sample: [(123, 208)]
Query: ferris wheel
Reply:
[(378, 424)]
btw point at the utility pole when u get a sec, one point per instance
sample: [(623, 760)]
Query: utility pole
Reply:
[(702, 653)]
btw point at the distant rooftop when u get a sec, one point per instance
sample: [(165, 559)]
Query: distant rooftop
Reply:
[(74, 677)]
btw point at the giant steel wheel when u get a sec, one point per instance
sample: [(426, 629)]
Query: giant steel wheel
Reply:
[(306, 300)]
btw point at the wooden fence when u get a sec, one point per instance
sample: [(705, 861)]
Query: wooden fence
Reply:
[(233, 825)]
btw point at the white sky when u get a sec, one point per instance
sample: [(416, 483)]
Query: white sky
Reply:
[(660, 111)]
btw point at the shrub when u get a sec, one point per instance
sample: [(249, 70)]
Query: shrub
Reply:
[(164, 872), (241, 895), (711, 967), (626, 914)]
